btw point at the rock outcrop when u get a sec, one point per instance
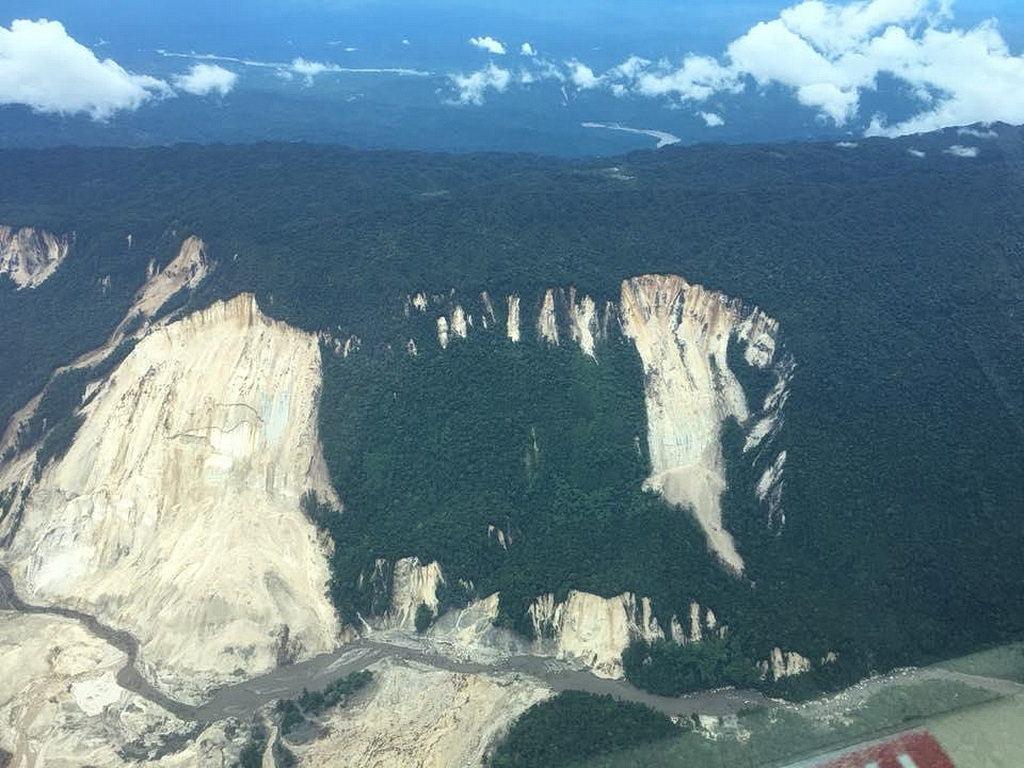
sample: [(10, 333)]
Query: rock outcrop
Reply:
[(28, 256), (185, 272), (769, 489), (547, 325), (175, 513), (682, 333), (512, 324), (412, 585), (783, 664), (583, 322), (442, 331), (591, 629)]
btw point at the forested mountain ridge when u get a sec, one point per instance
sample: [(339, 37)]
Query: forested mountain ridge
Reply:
[(895, 280)]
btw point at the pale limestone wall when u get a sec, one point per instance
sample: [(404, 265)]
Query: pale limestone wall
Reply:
[(592, 629), (28, 256), (175, 513), (547, 327), (512, 326), (681, 333)]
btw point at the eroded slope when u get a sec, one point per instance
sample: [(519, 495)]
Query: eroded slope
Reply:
[(175, 512)]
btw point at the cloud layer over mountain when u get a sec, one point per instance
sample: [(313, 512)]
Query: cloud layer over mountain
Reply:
[(827, 55)]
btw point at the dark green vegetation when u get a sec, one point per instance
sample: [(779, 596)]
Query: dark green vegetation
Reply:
[(574, 726), (310, 704), (669, 669), (54, 420), (424, 618), (541, 443), (898, 284), (251, 755)]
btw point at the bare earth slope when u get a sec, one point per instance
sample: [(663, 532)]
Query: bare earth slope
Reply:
[(175, 513)]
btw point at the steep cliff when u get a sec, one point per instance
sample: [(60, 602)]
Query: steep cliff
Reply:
[(596, 630), (583, 321), (593, 629), (412, 585), (28, 256), (185, 272), (682, 333), (175, 512), (547, 325), (512, 324)]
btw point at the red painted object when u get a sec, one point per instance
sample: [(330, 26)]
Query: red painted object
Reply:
[(917, 749)]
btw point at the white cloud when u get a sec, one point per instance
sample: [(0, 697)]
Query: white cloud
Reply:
[(204, 79), (916, 152), (712, 119), (309, 69), (828, 54), (527, 50), (582, 76), (959, 150), (474, 86), (489, 44), (299, 66), (847, 144), (986, 134), (43, 67), (698, 78), (629, 69)]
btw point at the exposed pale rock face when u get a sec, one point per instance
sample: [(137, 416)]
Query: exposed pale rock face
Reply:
[(512, 328), (60, 704), (787, 663), (414, 715), (772, 410), (419, 301), (410, 348), (459, 324), (769, 488), (442, 331), (547, 327), (681, 332), (352, 344), (186, 270), (696, 631), (592, 629), (583, 321), (470, 633), (175, 514), (488, 315), (499, 536), (412, 585), (28, 256), (697, 626)]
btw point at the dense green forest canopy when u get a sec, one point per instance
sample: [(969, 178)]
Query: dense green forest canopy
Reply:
[(898, 282), (574, 726)]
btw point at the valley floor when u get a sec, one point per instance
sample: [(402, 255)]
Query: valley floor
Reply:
[(973, 706)]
